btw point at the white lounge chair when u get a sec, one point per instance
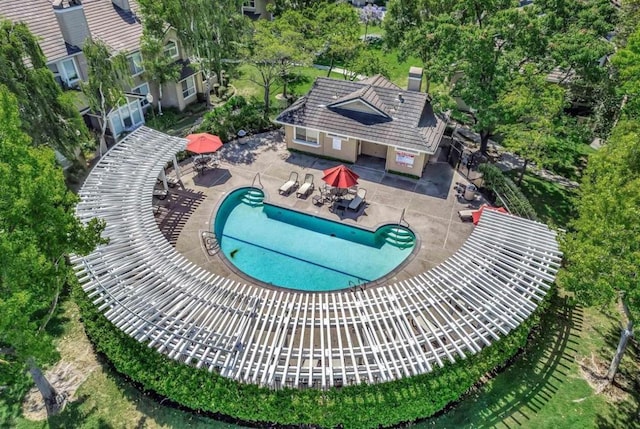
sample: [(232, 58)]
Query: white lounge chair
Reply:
[(307, 187), (358, 200), (290, 184)]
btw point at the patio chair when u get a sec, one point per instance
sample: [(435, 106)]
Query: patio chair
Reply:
[(290, 184), (466, 215), (307, 187), (358, 200)]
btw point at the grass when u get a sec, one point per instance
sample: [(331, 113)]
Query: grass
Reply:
[(552, 202), (543, 388)]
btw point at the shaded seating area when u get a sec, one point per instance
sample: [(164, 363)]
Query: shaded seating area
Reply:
[(290, 185), (359, 200), (202, 163), (307, 187)]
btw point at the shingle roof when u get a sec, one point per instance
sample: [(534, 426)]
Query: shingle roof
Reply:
[(411, 124), (380, 81), (119, 29), (42, 22)]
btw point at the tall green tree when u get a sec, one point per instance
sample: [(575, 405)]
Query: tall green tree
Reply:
[(602, 250), (627, 63), (158, 68), (38, 230), (274, 49), (48, 116), (533, 122), (104, 87), (337, 31), (210, 31)]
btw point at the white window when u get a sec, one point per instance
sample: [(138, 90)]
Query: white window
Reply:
[(337, 143), (306, 136), (135, 63), (249, 5), (171, 49), (65, 72), (188, 87), (126, 118), (142, 90)]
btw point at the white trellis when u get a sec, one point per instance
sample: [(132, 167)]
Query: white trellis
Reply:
[(279, 337)]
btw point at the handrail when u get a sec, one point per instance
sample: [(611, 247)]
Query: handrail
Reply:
[(402, 219), (257, 176)]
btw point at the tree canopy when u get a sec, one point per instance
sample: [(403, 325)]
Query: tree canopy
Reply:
[(38, 229), (47, 115)]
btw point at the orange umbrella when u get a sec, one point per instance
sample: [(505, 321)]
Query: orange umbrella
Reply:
[(203, 143), (340, 177), (476, 214)]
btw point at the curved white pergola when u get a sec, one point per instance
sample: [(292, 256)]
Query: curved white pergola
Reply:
[(278, 337)]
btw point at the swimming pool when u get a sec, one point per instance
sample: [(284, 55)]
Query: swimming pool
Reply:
[(298, 251)]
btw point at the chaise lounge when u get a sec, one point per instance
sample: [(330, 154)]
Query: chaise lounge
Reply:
[(290, 184), (307, 187), (358, 200)]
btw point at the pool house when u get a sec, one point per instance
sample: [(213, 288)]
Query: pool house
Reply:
[(374, 117)]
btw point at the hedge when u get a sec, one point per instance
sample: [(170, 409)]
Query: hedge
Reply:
[(359, 406)]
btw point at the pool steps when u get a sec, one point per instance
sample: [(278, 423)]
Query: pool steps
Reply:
[(253, 197), (399, 237)]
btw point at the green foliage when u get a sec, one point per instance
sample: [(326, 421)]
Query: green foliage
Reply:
[(508, 192), (361, 406), (602, 250), (235, 115), (158, 67), (46, 115), (627, 62), (209, 31), (38, 230)]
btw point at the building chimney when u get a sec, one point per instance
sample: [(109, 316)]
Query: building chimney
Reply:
[(122, 4), (72, 21), (415, 79)]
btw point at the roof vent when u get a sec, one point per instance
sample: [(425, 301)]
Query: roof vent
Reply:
[(400, 99)]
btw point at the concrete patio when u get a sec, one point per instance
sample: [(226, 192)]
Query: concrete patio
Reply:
[(431, 204)]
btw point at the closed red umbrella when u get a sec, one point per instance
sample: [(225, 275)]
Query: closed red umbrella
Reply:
[(203, 143), (340, 177), (476, 214)]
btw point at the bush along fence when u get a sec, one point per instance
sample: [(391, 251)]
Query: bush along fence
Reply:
[(359, 406), (506, 192)]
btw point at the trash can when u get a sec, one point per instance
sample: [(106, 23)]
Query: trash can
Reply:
[(470, 192)]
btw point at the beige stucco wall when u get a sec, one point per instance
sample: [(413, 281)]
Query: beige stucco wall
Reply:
[(347, 152), (419, 161), (373, 149)]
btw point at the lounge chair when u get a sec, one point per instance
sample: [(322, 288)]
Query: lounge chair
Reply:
[(307, 187), (358, 200), (290, 184)]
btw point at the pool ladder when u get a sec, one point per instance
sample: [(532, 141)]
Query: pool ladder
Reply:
[(402, 219), (253, 183), (355, 287)]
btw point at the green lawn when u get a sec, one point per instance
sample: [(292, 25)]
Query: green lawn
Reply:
[(553, 203)]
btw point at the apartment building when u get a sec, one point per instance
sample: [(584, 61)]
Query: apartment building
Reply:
[(64, 26)]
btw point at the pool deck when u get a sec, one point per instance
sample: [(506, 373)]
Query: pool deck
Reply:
[(431, 203)]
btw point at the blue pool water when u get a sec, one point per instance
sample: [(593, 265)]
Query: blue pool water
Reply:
[(298, 251)]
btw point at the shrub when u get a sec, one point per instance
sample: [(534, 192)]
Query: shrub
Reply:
[(360, 406), (507, 191), (235, 115)]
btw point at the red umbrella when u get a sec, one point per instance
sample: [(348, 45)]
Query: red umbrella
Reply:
[(203, 143), (476, 214), (340, 177)]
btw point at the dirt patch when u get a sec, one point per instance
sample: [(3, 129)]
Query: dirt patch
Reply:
[(77, 363), (594, 371)]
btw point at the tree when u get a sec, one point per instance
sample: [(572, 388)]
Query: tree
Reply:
[(210, 31), (602, 250), (274, 49), (627, 63), (366, 63), (337, 30), (533, 121), (38, 229), (47, 115), (158, 67), (370, 15), (104, 87)]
